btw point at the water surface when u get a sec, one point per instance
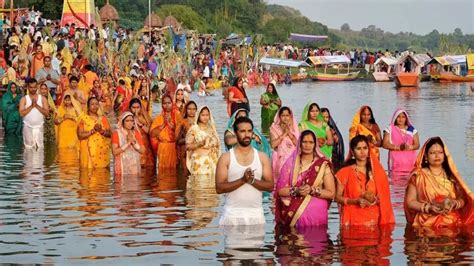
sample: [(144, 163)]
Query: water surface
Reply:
[(50, 212)]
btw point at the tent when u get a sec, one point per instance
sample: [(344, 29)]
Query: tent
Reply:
[(328, 60), (79, 12), (307, 38), (282, 62)]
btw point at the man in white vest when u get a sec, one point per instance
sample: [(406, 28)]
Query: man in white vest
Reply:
[(243, 173), (33, 109)]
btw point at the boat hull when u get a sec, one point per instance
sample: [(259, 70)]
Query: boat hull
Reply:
[(381, 76), (407, 80), (335, 77), (448, 77)]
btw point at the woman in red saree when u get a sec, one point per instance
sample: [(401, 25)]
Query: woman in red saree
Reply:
[(437, 196), (237, 98), (363, 192), (305, 187), (364, 123), (163, 135)]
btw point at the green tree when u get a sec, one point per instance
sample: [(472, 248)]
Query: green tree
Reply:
[(185, 15)]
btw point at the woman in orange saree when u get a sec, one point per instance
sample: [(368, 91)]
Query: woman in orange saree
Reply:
[(163, 135), (143, 122), (437, 195), (363, 192), (364, 123), (94, 134)]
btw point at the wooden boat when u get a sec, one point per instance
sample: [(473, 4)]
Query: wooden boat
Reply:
[(384, 69), (336, 61), (407, 79), (334, 77), (451, 77), (408, 69)]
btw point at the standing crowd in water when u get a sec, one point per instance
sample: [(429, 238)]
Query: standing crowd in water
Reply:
[(68, 104)]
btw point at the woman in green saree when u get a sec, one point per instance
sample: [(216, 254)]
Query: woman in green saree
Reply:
[(270, 102), (12, 122), (313, 120)]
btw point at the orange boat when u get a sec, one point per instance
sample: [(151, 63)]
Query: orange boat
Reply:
[(451, 77), (407, 79), (408, 69)]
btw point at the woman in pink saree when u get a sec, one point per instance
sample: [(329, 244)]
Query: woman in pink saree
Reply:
[(306, 186), (401, 140), (284, 135)]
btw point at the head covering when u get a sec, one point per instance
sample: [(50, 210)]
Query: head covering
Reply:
[(305, 115), (275, 127), (211, 118), (467, 212), (75, 103), (395, 116), (122, 118)]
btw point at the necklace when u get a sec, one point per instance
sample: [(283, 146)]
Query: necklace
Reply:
[(440, 178)]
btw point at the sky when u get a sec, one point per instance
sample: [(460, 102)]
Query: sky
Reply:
[(417, 16)]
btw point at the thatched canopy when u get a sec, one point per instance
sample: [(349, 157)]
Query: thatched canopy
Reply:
[(108, 13), (155, 21), (171, 21)]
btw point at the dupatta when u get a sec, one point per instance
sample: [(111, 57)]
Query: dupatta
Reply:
[(419, 178), (358, 129), (401, 160), (286, 147), (287, 212), (128, 162), (199, 135)]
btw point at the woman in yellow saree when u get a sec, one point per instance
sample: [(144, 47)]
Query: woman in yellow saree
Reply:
[(66, 120), (437, 195), (202, 144), (364, 123), (94, 134)]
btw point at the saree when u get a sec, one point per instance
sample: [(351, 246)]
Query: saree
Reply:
[(49, 127), (337, 147), (320, 132), (165, 144), (284, 150), (429, 190), (36, 63), (147, 158), (355, 186), (181, 132), (95, 150), (263, 146), (302, 211), (67, 136), (127, 162), (358, 129), (401, 161), (268, 113), (203, 161), (12, 122), (238, 94)]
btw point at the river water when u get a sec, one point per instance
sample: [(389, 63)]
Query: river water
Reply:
[(50, 212)]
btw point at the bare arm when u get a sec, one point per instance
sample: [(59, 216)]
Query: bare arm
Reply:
[(416, 142), (24, 111), (328, 190), (329, 139), (222, 183), (266, 184), (378, 139), (386, 141), (230, 139)]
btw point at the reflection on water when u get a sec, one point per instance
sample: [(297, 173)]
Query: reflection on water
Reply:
[(53, 212)]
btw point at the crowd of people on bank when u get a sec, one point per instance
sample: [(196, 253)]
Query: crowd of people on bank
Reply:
[(70, 102)]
